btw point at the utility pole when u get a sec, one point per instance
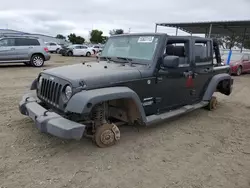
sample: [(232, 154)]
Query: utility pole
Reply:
[(129, 29)]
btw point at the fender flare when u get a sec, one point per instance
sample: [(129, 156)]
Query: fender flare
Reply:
[(213, 85), (34, 85), (79, 103)]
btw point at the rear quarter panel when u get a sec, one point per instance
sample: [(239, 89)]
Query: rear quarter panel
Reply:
[(39, 50)]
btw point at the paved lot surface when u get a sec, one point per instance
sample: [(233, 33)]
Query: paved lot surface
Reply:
[(199, 150)]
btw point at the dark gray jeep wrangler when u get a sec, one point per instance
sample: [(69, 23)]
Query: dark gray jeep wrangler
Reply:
[(139, 79)]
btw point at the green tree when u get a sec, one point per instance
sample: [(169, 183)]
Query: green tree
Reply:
[(116, 32), (59, 36), (75, 39), (96, 36)]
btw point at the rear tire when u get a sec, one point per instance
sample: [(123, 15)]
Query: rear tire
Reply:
[(88, 54), (37, 60), (212, 105)]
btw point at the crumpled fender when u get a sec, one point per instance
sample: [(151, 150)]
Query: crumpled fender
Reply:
[(212, 86), (83, 102)]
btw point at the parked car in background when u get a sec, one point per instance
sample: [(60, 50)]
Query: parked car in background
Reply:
[(77, 50), (96, 48), (19, 49), (239, 63), (53, 47)]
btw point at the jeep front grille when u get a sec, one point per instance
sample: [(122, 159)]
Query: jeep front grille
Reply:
[(50, 91)]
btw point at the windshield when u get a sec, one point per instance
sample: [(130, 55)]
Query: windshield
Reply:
[(138, 47), (234, 57)]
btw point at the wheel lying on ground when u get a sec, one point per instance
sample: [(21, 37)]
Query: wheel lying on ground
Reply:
[(212, 105), (37, 60), (106, 135)]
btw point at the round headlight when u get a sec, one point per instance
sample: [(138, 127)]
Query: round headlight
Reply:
[(68, 92)]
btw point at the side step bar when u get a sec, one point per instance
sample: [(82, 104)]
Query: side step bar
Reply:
[(153, 119)]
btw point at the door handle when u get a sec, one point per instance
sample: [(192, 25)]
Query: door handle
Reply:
[(12, 48), (31, 47)]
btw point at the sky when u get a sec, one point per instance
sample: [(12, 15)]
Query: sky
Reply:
[(52, 17)]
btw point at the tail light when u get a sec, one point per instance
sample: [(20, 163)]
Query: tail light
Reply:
[(46, 49)]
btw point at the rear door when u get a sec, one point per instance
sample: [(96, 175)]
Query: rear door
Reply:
[(84, 50), (7, 49), (203, 62), (24, 47)]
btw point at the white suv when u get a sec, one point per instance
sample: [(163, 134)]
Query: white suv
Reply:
[(53, 47)]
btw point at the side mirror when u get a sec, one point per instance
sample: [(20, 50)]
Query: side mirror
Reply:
[(171, 61)]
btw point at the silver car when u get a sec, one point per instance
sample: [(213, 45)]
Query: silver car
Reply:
[(28, 50)]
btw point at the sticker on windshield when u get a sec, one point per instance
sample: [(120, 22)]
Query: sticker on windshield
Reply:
[(145, 39)]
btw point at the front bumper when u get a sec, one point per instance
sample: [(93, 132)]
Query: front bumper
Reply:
[(50, 122), (233, 69)]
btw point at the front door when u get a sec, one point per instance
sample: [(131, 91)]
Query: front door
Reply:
[(246, 62), (77, 50), (174, 85), (7, 50)]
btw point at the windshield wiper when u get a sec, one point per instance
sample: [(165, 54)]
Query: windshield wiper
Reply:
[(128, 60), (108, 59)]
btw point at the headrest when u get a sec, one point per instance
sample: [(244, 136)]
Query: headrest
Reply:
[(170, 49), (179, 51)]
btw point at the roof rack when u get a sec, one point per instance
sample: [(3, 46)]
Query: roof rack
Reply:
[(13, 35)]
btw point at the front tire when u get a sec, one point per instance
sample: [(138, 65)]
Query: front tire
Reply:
[(239, 71), (37, 60), (57, 50), (70, 53)]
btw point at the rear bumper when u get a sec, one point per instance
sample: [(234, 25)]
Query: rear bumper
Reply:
[(50, 122), (47, 57)]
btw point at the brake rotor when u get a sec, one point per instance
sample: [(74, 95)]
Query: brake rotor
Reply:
[(107, 135)]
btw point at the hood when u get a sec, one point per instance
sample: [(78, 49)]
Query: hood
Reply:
[(95, 74)]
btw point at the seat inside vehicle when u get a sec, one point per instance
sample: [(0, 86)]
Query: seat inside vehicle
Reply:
[(177, 51)]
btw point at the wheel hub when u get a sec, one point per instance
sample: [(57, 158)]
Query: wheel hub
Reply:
[(38, 61), (107, 137)]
